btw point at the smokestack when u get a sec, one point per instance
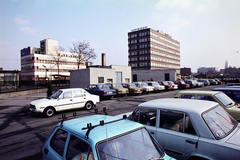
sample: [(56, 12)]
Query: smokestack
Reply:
[(103, 59)]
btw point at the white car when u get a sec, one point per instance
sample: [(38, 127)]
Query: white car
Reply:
[(156, 85), (64, 99), (146, 88), (190, 129)]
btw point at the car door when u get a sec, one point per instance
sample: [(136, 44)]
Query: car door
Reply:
[(65, 101), (148, 117), (176, 134), (54, 147), (79, 99)]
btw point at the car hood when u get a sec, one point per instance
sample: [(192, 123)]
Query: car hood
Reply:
[(41, 101), (234, 140)]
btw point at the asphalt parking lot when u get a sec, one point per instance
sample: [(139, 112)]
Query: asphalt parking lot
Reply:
[(23, 133)]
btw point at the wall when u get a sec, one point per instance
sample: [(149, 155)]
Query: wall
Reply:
[(83, 77), (155, 75)]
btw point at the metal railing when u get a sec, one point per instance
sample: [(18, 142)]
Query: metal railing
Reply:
[(15, 86)]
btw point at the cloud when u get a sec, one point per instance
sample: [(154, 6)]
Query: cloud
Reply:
[(21, 21), (163, 4), (29, 30), (179, 23)]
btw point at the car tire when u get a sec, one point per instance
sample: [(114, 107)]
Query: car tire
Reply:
[(88, 105), (49, 112)]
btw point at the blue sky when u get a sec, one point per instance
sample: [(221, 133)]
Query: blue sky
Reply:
[(208, 30)]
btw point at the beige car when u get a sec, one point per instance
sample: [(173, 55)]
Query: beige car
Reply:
[(133, 90), (227, 103), (119, 88)]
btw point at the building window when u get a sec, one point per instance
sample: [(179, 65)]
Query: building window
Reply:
[(100, 79), (127, 80), (109, 81), (118, 77)]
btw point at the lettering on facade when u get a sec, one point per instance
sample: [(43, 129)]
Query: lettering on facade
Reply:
[(138, 29)]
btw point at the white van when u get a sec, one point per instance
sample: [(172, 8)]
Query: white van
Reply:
[(64, 99)]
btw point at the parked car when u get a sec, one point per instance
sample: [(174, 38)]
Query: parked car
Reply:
[(181, 84), (204, 81), (191, 83), (233, 87), (218, 81), (146, 88), (175, 86), (212, 82), (233, 93), (101, 137), (167, 85), (102, 90), (132, 89), (234, 84), (156, 85), (119, 88), (227, 103), (199, 84), (64, 99), (190, 129)]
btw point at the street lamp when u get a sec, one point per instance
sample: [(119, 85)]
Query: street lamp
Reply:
[(45, 72)]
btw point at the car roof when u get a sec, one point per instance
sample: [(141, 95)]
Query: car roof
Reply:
[(226, 89), (70, 89), (99, 133), (185, 105), (199, 92)]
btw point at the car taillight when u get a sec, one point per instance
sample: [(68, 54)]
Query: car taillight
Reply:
[(105, 92), (114, 91)]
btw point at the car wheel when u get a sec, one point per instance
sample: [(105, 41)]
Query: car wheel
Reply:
[(89, 105), (49, 111)]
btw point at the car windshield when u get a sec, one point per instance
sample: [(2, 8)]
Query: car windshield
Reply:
[(117, 85), (165, 83), (155, 84), (225, 100), (144, 84), (171, 83), (132, 85), (220, 122), (103, 87), (137, 145), (55, 95), (182, 82)]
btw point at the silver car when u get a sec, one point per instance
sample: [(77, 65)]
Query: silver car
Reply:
[(190, 129)]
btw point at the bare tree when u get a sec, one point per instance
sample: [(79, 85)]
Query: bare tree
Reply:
[(85, 52), (57, 55)]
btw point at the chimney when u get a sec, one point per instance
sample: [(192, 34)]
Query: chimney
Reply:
[(103, 59)]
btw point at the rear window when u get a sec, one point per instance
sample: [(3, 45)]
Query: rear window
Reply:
[(225, 100), (58, 141), (219, 122)]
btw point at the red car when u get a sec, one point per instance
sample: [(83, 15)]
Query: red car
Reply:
[(181, 84), (166, 84)]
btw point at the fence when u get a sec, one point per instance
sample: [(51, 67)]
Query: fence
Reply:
[(15, 86)]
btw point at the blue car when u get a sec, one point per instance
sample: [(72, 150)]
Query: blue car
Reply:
[(102, 90), (101, 137)]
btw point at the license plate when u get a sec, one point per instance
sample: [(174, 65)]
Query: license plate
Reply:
[(109, 92)]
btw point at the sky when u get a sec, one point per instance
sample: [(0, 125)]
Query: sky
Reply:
[(208, 30)]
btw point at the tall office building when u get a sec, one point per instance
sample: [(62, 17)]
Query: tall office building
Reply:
[(47, 62), (150, 49)]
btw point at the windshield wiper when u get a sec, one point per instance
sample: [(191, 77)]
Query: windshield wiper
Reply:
[(229, 104), (156, 158)]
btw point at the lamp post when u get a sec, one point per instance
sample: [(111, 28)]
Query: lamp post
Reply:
[(45, 72)]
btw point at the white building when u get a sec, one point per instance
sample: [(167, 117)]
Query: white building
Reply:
[(47, 62), (102, 74)]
